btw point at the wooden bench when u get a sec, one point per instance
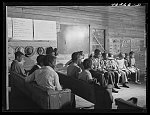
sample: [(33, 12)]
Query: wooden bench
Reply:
[(45, 98), (100, 96)]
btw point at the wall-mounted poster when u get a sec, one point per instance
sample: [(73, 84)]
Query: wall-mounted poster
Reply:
[(22, 29), (142, 45), (114, 46), (125, 45), (135, 45), (45, 30)]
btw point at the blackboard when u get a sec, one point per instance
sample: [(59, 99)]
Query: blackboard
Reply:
[(73, 38)]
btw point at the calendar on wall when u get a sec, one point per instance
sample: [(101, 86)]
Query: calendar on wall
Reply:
[(114, 46)]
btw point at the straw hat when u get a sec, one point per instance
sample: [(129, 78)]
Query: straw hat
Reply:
[(40, 50), (29, 50), (19, 48)]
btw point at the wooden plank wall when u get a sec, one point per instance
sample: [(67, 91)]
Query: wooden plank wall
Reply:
[(118, 21)]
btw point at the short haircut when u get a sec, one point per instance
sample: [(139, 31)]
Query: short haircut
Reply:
[(48, 58), (81, 53), (120, 55), (96, 51), (55, 49), (49, 50), (18, 54), (40, 59), (132, 52), (74, 56), (87, 63), (126, 54), (104, 54), (110, 54)]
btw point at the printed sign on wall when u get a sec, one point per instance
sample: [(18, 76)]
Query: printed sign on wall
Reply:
[(114, 46), (22, 29), (125, 45)]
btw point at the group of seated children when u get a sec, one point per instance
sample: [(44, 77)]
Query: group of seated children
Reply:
[(42, 73), (103, 68), (100, 68)]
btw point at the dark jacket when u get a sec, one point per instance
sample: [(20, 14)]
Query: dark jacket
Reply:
[(35, 67)]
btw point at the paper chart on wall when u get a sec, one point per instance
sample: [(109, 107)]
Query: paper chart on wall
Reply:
[(45, 30), (135, 45), (125, 45), (114, 46), (9, 25), (22, 29)]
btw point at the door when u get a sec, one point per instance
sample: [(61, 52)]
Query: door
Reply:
[(97, 39)]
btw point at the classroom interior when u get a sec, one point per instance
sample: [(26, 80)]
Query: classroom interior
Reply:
[(73, 28)]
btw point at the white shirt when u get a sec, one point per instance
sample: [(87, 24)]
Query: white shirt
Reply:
[(121, 64), (45, 77)]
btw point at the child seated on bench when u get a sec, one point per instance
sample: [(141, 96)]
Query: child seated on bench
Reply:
[(85, 75), (132, 67)]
